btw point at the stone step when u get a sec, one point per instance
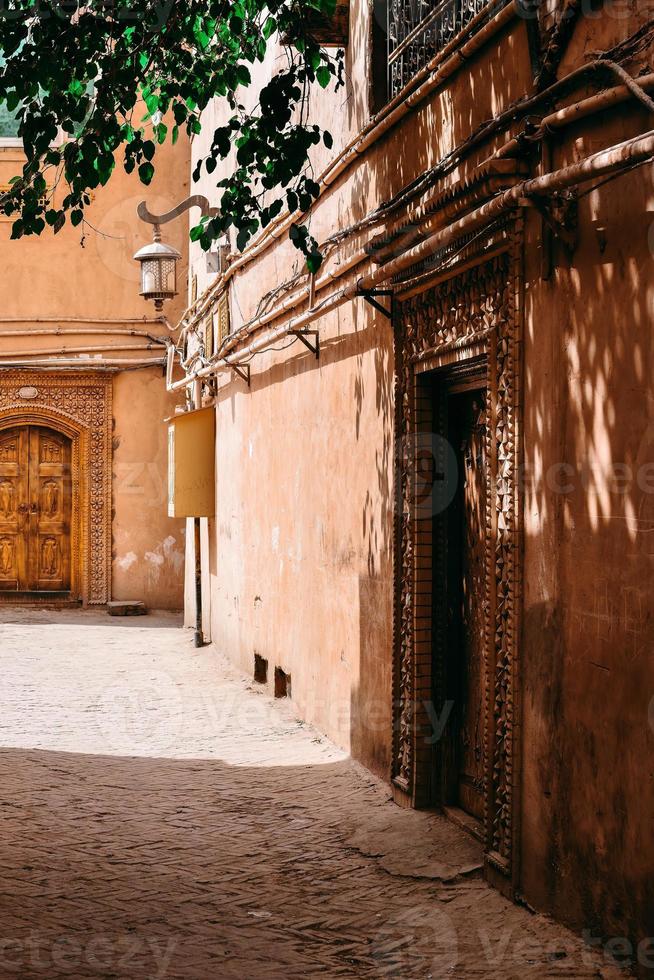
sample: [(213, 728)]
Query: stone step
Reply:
[(126, 607)]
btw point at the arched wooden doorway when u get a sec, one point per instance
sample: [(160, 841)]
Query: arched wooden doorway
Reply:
[(36, 500)]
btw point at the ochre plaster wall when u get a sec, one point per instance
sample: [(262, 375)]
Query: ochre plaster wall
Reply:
[(88, 271), (88, 274), (148, 546), (303, 531)]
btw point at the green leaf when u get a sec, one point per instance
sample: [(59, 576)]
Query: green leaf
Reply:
[(314, 261), (324, 76), (146, 173), (242, 238), (152, 103), (243, 75), (180, 112)]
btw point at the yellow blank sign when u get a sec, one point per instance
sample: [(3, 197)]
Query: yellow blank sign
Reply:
[(191, 464)]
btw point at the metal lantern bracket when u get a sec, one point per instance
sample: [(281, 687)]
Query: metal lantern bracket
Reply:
[(370, 296), (195, 200)]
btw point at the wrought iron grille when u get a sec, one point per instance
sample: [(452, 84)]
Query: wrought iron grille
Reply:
[(419, 29)]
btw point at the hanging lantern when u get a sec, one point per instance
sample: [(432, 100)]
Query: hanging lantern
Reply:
[(158, 270), (159, 260)]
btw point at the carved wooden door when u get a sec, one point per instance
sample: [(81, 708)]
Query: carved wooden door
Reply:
[(49, 512), (466, 577), (35, 510)]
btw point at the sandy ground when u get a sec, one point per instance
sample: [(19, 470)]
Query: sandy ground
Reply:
[(162, 817)]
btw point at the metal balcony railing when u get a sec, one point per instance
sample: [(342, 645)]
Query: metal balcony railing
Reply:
[(419, 29)]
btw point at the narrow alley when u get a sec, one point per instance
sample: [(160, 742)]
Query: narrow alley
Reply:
[(164, 818)]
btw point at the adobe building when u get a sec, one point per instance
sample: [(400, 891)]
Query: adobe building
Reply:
[(82, 403), (433, 505)]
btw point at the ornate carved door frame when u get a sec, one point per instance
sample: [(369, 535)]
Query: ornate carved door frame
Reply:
[(470, 320), (79, 406)]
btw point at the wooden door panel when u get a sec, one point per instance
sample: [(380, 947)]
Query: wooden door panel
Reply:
[(14, 496), (473, 450), (466, 578), (49, 510)]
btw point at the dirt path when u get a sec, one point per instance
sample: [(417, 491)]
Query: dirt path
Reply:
[(160, 817)]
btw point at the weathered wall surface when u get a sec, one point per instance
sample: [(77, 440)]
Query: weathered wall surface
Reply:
[(148, 546), (588, 737), (301, 547), (84, 280), (303, 529)]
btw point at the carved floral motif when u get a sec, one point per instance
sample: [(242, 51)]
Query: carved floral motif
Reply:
[(6, 555), (7, 498), (50, 452), (49, 557), (8, 452)]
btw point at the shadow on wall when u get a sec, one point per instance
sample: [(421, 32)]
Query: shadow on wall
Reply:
[(588, 484)]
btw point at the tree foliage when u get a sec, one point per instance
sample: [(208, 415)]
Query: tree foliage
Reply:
[(85, 70)]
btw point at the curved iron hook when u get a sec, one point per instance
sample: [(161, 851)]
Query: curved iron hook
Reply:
[(195, 200)]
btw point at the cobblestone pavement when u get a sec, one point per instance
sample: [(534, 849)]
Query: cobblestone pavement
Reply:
[(161, 817)]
